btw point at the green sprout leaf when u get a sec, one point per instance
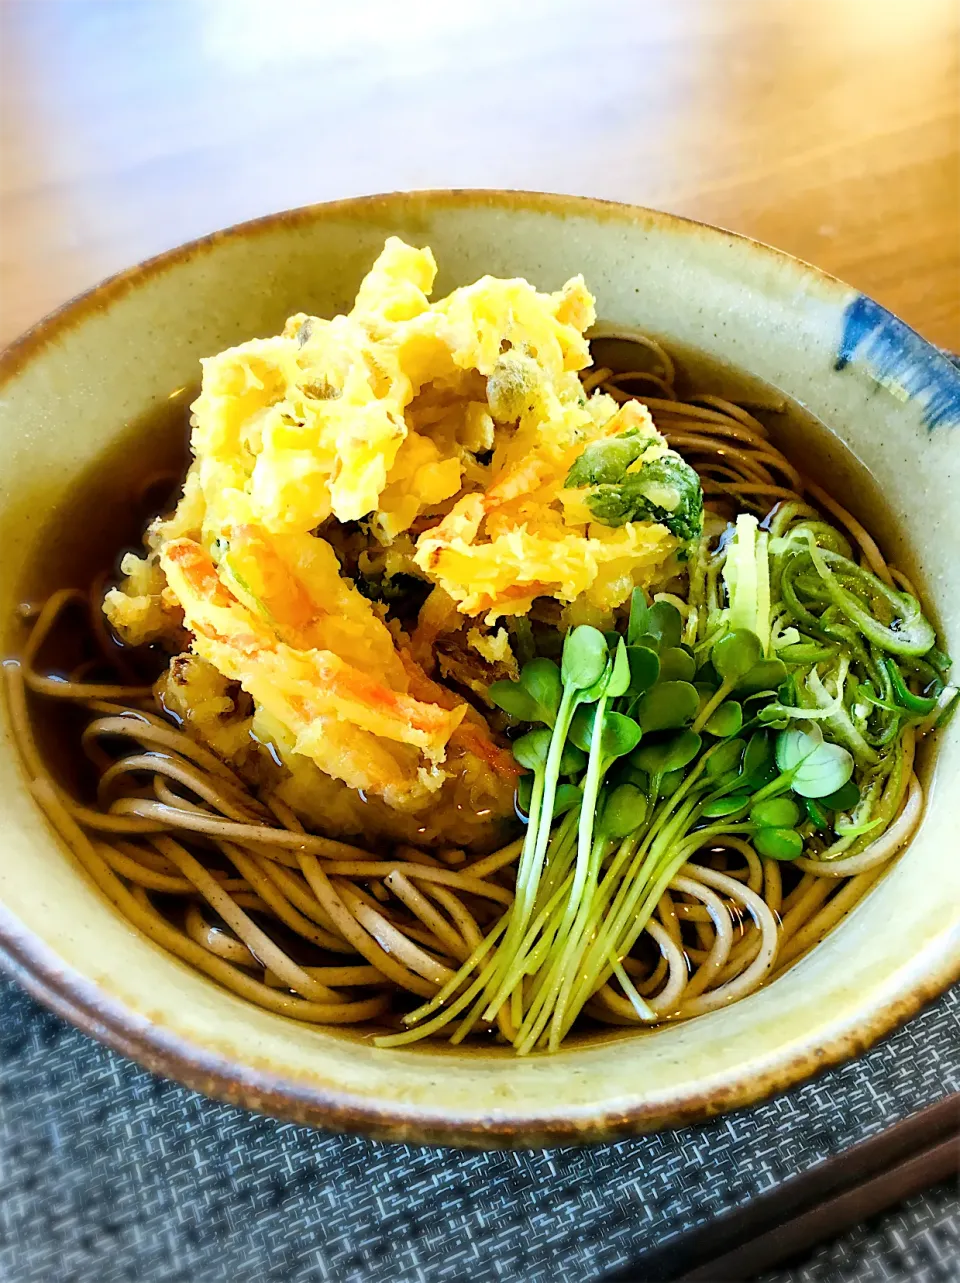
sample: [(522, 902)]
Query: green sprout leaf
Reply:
[(535, 697), (725, 759), (670, 782), (707, 676), (667, 706), (778, 844), (626, 773), (620, 735), (515, 700), (670, 754), (725, 720), (677, 665), (775, 813), (706, 691), (638, 623), (766, 675), (590, 694), (531, 750), (572, 760), (541, 679), (619, 680), (585, 655), (794, 746), (844, 798), (665, 623), (758, 760), (581, 727), (623, 812), (736, 653), (684, 747), (525, 647), (722, 807), (566, 798), (644, 668), (816, 767)]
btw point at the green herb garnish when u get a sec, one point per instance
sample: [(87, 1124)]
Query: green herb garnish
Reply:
[(664, 489), (773, 710)]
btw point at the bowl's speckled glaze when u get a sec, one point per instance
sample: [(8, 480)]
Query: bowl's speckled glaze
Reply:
[(69, 388)]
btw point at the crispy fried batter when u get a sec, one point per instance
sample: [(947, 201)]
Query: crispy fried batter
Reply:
[(405, 439)]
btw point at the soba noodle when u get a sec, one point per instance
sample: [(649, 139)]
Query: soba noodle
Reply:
[(328, 932)]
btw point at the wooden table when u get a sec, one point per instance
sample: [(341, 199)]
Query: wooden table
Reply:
[(828, 127)]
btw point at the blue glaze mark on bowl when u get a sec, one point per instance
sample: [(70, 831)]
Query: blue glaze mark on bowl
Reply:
[(897, 357)]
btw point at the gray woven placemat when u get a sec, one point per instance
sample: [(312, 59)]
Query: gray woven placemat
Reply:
[(110, 1175)]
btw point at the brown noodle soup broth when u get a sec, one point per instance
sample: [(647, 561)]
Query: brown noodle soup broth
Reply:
[(349, 938)]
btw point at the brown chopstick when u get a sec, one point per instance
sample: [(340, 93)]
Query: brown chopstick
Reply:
[(830, 1218), (864, 1180)]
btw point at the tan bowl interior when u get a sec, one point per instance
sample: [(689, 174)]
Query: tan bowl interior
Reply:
[(71, 388)]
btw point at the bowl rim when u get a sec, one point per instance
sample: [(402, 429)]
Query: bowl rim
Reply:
[(34, 965)]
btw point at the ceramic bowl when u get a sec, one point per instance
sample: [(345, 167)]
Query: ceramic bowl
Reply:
[(70, 387)]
